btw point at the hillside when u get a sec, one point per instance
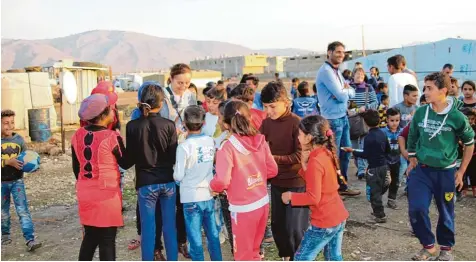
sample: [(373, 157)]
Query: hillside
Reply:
[(124, 51)]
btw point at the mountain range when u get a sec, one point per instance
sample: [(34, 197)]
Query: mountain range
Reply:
[(123, 51)]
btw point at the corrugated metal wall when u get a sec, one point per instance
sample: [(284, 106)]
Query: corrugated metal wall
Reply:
[(86, 81)]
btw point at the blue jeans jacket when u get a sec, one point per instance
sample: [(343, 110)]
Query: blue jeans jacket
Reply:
[(198, 214), (16, 189)]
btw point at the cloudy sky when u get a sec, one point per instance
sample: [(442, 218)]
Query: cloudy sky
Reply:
[(306, 24)]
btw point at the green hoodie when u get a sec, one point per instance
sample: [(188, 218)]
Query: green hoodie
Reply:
[(433, 137)]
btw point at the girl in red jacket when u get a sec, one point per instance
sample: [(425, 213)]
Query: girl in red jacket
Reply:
[(96, 153), (319, 170), (244, 164)]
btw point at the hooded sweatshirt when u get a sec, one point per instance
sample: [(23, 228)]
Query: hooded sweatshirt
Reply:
[(433, 137), (243, 165)]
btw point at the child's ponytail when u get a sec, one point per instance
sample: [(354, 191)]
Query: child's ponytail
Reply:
[(144, 108), (151, 97), (238, 118), (331, 146)]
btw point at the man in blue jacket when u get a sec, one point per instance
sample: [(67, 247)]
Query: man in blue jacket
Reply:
[(333, 94)]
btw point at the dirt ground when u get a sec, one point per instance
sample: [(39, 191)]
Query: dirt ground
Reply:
[(52, 202)]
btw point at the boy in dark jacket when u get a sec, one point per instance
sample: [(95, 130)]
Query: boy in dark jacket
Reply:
[(12, 183), (376, 150)]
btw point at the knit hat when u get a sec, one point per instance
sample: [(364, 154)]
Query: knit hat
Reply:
[(93, 105)]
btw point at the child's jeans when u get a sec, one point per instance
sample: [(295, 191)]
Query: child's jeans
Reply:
[(248, 232), (403, 169), (148, 197), (198, 214), (360, 163), (16, 189), (315, 239)]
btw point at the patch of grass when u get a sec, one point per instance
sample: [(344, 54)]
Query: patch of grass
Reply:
[(129, 195)]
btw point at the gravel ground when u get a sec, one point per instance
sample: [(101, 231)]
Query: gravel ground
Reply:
[(52, 203)]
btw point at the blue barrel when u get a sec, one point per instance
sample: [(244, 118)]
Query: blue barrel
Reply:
[(39, 124)]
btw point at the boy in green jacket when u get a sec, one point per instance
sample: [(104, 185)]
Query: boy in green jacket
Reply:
[(432, 150)]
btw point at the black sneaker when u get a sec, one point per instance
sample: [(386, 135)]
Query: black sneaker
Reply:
[(349, 192), (381, 220), (392, 204), (32, 245), (378, 220)]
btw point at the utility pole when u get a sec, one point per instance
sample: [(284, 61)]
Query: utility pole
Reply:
[(363, 42)]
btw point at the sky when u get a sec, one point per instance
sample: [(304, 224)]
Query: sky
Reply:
[(257, 24)]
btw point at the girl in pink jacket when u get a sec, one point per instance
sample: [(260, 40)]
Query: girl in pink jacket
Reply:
[(244, 163)]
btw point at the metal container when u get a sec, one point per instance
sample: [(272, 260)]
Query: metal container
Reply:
[(39, 124)]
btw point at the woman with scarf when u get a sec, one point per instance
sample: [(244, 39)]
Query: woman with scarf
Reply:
[(177, 98), (365, 98)]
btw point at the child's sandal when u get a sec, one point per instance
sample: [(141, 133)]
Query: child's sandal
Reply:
[(134, 244), (423, 255)]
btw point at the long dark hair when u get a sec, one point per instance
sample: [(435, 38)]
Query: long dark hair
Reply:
[(151, 97), (319, 129), (238, 117)]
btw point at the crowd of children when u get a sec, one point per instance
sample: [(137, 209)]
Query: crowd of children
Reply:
[(241, 156)]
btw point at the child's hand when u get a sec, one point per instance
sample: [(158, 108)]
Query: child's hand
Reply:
[(362, 109), (14, 163), (347, 149), (459, 180), (286, 197), (413, 163), (405, 154)]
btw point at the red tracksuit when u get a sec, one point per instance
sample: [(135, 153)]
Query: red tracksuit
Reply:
[(243, 166)]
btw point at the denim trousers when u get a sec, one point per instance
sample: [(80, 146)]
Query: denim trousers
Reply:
[(341, 129), (16, 190), (360, 163), (198, 214), (316, 239), (148, 197)]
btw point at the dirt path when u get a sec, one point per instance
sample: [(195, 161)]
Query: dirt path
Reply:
[(52, 200)]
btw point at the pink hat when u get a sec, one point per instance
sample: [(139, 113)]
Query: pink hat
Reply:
[(93, 105), (106, 88)]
